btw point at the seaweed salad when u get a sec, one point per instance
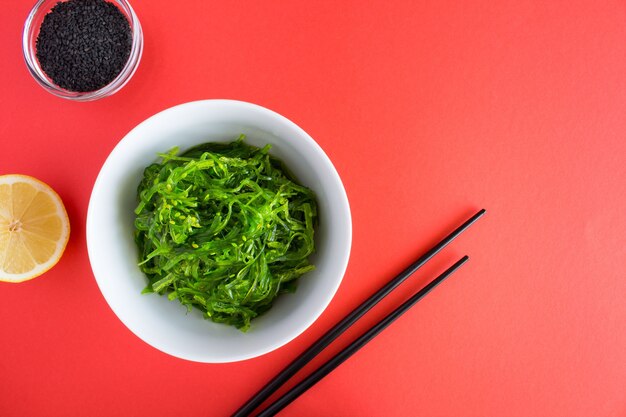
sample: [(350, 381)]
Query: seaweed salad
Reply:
[(223, 228)]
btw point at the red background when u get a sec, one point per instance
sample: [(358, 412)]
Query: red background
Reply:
[(429, 110)]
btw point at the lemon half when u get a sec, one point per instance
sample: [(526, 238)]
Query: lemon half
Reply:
[(34, 228)]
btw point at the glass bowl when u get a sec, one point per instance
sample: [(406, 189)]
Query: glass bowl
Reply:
[(29, 39)]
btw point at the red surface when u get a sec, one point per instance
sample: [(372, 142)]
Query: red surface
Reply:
[(429, 110)]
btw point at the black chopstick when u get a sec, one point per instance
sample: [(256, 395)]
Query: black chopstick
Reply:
[(347, 321), (338, 359)]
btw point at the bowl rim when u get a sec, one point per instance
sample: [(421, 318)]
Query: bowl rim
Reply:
[(343, 257)]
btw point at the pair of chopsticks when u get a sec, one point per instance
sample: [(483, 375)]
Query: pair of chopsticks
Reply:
[(248, 408)]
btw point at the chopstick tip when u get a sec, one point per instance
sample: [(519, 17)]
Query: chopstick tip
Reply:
[(461, 261)]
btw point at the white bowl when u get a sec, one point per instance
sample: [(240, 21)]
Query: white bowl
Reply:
[(166, 325)]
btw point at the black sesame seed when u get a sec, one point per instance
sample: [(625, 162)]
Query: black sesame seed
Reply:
[(83, 44)]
